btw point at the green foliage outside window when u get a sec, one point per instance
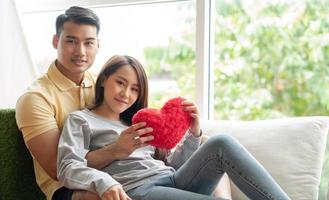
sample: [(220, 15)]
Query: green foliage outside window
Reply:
[(277, 58), (271, 60), (177, 62)]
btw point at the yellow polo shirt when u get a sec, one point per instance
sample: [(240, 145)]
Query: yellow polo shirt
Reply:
[(45, 106)]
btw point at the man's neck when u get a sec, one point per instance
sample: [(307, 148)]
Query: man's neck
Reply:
[(76, 78)]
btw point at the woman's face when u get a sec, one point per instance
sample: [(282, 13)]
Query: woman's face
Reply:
[(121, 90)]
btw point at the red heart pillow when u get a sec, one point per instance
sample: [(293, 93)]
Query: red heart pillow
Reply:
[(169, 124)]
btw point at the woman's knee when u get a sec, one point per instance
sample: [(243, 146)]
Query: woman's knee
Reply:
[(222, 140)]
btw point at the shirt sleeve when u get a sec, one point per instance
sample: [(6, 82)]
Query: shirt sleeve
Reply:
[(34, 115), (183, 151), (72, 169)]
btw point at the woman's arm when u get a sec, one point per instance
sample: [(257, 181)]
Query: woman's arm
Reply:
[(72, 169), (192, 141), (183, 151), (102, 157), (128, 141)]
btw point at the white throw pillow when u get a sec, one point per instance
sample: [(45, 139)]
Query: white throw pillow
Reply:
[(291, 149)]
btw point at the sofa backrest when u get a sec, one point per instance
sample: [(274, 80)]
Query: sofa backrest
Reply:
[(16, 167)]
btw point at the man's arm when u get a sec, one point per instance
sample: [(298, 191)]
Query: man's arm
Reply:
[(35, 119), (44, 149)]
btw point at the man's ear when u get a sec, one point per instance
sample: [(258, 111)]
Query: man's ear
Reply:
[(97, 44), (55, 41)]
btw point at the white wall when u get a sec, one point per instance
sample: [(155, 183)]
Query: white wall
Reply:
[(15, 63)]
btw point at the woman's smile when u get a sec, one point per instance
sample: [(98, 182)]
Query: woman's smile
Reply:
[(121, 101)]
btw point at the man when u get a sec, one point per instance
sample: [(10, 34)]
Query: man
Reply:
[(66, 87)]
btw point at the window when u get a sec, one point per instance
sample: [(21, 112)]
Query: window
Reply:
[(271, 59), (160, 35)]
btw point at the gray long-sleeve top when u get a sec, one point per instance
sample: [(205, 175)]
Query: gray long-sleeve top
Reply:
[(85, 131)]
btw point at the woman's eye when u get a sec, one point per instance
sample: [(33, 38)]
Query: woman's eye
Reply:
[(135, 90), (120, 82)]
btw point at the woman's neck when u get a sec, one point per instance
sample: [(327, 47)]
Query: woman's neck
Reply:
[(105, 112)]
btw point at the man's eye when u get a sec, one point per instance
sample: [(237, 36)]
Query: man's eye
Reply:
[(70, 41), (89, 43)]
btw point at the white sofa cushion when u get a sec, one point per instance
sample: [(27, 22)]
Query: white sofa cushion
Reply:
[(291, 149)]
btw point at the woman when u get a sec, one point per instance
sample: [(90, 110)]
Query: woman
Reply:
[(128, 166)]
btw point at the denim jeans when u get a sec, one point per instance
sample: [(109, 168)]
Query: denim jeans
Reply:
[(199, 176)]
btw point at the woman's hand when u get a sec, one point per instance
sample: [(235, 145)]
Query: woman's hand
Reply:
[(190, 107), (115, 192), (132, 138)]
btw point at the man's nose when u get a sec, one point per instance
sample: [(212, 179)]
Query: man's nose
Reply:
[(80, 49)]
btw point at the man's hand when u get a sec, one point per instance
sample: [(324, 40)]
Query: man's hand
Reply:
[(115, 192)]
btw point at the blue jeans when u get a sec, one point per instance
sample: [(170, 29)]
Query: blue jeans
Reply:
[(199, 176)]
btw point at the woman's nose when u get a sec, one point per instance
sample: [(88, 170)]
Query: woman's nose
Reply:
[(125, 92)]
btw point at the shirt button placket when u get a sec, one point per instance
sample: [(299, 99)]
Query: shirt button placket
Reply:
[(82, 98)]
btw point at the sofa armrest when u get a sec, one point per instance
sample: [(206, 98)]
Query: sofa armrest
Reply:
[(291, 149), (16, 167)]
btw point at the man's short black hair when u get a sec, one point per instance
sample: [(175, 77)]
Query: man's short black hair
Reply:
[(77, 15)]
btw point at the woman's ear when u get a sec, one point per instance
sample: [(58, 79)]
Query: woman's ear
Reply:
[(103, 80)]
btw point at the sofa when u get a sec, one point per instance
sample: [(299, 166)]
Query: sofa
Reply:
[(17, 180), (291, 149)]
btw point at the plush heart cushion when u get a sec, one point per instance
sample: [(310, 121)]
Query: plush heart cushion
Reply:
[(169, 124)]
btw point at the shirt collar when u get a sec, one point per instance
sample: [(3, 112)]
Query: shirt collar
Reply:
[(64, 83)]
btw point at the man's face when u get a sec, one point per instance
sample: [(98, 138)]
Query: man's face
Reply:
[(77, 47)]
